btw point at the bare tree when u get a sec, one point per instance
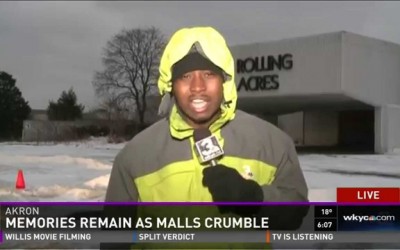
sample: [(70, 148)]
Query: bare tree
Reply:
[(130, 61), (113, 108)]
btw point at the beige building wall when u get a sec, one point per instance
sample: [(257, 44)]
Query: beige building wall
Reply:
[(311, 128), (292, 124), (328, 74), (321, 128)]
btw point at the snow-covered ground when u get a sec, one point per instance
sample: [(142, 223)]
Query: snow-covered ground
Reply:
[(79, 171)]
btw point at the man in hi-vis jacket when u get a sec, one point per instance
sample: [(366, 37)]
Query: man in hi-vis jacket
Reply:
[(259, 161)]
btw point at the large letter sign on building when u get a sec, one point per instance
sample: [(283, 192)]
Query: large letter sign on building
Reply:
[(262, 64)]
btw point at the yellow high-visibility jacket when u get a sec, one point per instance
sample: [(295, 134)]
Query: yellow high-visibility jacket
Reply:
[(160, 164)]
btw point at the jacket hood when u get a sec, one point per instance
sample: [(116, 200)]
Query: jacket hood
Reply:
[(211, 44)]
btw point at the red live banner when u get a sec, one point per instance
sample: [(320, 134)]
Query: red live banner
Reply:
[(368, 194)]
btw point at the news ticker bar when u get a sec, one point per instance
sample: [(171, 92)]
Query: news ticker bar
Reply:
[(319, 218), (94, 239)]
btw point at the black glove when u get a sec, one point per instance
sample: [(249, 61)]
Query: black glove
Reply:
[(227, 185)]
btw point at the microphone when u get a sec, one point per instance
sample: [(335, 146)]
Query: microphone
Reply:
[(207, 146)]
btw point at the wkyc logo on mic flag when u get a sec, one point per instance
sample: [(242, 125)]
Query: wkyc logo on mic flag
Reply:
[(209, 148)]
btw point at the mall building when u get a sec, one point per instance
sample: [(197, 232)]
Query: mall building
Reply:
[(337, 90)]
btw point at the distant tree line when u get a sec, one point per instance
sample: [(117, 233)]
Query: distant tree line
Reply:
[(129, 76), (13, 108), (66, 108)]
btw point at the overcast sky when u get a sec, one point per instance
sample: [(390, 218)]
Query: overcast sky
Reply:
[(50, 46)]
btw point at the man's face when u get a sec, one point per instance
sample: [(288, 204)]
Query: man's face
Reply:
[(198, 95)]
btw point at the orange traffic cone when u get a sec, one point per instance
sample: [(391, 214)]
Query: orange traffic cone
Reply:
[(20, 183)]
